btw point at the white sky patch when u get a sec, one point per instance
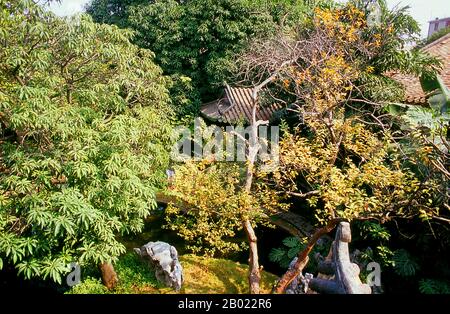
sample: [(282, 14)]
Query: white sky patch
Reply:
[(422, 10), (425, 10), (68, 7)]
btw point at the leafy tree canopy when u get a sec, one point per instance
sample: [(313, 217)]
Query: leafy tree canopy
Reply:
[(112, 11), (85, 123), (341, 156), (197, 38)]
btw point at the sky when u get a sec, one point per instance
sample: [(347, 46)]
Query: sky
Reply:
[(422, 10)]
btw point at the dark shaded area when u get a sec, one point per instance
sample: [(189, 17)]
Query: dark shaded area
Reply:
[(12, 282), (428, 246), (154, 231)]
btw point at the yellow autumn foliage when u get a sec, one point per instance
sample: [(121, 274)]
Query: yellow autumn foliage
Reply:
[(211, 206)]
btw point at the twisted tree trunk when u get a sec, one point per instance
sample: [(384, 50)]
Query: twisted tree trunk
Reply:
[(254, 276)]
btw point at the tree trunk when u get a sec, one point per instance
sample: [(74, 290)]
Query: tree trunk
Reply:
[(303, 257), (254, 275), (109, 276)]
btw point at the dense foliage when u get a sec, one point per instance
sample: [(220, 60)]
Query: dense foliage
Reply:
[(210, 205), (197, 38), (341, 155), (85, 126)]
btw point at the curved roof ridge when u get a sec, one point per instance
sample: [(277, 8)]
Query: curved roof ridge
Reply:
[(437, 41)]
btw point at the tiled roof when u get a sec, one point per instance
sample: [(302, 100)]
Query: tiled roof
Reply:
[(236, 104), (414, 93)]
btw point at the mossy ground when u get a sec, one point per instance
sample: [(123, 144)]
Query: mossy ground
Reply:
[(210, 275), (202, 275)]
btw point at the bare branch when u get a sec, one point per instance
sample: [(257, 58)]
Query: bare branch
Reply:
[(304, 195)]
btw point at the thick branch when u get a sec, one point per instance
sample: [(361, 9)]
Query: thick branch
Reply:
[(303, 256), (270, 78)]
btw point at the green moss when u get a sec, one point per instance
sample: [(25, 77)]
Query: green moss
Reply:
[(202, 275), (135, 275)]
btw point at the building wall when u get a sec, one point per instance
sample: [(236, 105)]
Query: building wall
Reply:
[(437, 25)]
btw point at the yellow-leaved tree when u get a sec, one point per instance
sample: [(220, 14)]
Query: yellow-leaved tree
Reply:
[(340, 156)]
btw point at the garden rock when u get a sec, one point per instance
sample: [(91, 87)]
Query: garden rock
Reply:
[(164, 258)]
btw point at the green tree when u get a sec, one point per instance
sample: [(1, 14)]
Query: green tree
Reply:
[(198, 38), (85, 123), (208, 205), (112, 11), (395, 31)]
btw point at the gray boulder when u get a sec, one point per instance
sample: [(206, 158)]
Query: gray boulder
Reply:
[(164, 258)]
